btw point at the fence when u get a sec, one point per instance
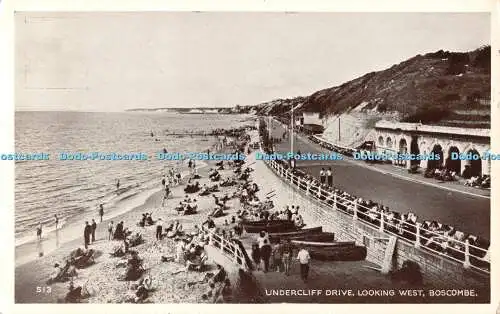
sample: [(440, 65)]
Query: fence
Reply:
[(470, 256), (228, 248)]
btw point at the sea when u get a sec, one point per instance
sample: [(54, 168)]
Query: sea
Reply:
[(73, 189)]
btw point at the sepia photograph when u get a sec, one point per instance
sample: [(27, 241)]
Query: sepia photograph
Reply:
[(252, 157)]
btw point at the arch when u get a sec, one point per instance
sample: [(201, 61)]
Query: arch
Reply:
[(402, 149), (473, 166), (414, 150), (403, 146), (453, 164), (388, 142), (380, 141), (422, 145), (437, 151)]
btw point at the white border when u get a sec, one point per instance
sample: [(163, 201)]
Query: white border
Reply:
[(7, 142)]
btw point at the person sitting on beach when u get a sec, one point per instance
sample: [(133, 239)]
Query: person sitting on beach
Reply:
[(142, 223), (196, 231), (194, 205), (204, 190), (56, 273), (211, 294), (197, 260), (209, 223), (299, 221), (217, 201), (74, 294), (141, 293), (180, 251), (119, 231), (169, 228)]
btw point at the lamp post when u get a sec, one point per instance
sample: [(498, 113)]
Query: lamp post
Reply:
[(292, 129)]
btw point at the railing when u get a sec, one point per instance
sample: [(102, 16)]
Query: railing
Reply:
[(228, 248), (470, 256)]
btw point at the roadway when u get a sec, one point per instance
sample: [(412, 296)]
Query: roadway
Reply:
[(466, 212)]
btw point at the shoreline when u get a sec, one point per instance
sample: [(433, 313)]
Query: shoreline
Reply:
[(33, 274), (53, 239)]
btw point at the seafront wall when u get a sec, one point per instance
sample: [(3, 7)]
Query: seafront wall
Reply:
[(435, 268)]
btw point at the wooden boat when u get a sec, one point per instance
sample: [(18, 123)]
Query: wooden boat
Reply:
[(324, 244), (269, 225), (333, 251), (301, 232), (314, 237)]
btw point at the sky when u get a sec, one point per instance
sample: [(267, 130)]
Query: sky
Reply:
[(118, 61)]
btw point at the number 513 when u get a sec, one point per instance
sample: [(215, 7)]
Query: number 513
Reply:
[(44, 289)]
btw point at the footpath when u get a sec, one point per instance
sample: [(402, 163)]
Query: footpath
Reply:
[(402, 173)]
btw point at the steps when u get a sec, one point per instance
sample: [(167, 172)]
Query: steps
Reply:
[(389, 253)]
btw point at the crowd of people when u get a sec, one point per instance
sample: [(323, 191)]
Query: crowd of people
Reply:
[(483, 181), (439, 237), (189, 246), (432, 234), (441, 174)]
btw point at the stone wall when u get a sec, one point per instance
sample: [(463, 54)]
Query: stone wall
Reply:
[(435, 268)]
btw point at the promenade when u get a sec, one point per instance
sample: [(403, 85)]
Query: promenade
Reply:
[(466, 212), (332, 277)]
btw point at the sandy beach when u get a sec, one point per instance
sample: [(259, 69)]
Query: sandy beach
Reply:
[(171, 286)]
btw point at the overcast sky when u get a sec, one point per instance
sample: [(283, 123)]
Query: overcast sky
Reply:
[(118, 61)]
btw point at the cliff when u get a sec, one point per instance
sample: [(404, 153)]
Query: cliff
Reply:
[(443, 88)]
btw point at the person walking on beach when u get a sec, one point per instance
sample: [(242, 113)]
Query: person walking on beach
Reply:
[(94, 226), (278, 255), (110, 230), (159, 229), (322, 176), (101, 210), (87, 231), (178, 176), (39, 231), (117, 185), (329, 176), (256, 255), (304, 259), (265, 249), (56, 220), (287, 256), (165, 195)]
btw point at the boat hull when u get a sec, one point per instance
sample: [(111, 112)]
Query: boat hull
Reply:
[(314, 237), (333, 251), (273, 236), (269, 226)]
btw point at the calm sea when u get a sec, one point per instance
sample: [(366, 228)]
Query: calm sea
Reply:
[(73, 189)]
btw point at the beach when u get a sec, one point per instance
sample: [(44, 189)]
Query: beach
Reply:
[(101, 278)]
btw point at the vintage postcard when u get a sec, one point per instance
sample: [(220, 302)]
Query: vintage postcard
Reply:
[(296, 156)]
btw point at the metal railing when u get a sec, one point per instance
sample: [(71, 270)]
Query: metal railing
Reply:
[(438, 243), (228, 248)]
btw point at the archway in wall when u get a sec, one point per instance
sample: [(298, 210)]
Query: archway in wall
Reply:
[(456, 164), (403, 149), (388, 143), (380, 141), (414, 150), (473, 168), (438, 153)]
